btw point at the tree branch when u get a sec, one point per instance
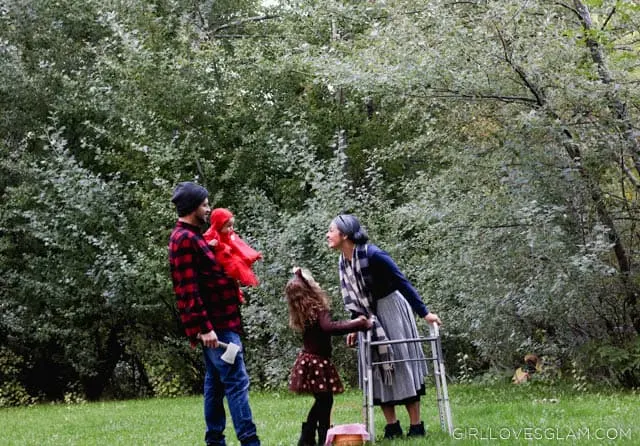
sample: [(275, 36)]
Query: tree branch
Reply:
[(569, 8), (540, 99), (503, 226), (632, 178), (452, 94), (604, 25), (241, 36), (243, 21), (198, 15)]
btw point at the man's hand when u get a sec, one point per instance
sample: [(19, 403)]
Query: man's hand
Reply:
[(209, 339)]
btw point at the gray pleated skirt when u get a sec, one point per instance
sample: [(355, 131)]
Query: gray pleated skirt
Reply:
[(396, 317)]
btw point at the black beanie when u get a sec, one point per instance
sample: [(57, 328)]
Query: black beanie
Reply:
[(187, 197)]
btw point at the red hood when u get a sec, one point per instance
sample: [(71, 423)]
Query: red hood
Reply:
[(219, 216), (217, 219)]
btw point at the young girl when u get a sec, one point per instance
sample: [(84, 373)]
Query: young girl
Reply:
[(235, 256), (313, 372)]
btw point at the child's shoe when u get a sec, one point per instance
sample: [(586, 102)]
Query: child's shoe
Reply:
[(308, 435)]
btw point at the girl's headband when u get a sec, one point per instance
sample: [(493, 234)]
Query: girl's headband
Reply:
[(303, 274)]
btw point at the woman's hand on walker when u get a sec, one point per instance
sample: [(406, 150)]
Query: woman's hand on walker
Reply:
[(432, 318), (351, 340)]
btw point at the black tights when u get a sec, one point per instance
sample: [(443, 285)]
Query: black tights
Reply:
[(320, 412)]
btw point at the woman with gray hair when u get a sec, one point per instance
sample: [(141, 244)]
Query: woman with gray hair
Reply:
[(373, 285)]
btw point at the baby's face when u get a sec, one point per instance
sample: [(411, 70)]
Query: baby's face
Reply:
[(228, 226)]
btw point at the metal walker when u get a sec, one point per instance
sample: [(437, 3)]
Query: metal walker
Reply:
[(366, 364)]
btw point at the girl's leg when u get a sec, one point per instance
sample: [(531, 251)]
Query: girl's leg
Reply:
[(324, 403), (308, 432), (312, 416)]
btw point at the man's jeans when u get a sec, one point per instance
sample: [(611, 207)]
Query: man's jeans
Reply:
[(230, 381)]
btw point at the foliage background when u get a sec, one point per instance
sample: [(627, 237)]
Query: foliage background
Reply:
[(491, 147)]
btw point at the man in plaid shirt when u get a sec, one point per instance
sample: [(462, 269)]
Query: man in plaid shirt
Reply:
[(209, 305)]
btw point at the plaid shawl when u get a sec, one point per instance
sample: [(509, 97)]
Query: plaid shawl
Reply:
[(355, 283)]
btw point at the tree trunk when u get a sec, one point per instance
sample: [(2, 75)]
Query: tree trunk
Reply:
[(573, 151), (620, 108), (112, 352)]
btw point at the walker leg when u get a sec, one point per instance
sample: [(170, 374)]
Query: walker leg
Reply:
[(362, 375), (445, 392), (436, 373), (364, 360), (442, 394), (370, 415)]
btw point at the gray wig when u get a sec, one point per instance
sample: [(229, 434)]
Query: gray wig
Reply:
[(350, 226)]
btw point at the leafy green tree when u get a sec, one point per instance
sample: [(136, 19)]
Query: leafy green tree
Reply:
[(491, 147), (522, 146)]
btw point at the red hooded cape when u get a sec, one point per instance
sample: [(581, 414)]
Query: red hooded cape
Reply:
[(233, 253)]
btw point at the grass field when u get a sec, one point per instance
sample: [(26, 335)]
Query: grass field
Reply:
[(502, 414)]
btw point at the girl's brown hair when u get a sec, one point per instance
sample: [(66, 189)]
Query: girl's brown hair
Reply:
[(305, 299)]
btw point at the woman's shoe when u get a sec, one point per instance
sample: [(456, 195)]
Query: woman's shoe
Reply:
[(416, 430), (393, 430)]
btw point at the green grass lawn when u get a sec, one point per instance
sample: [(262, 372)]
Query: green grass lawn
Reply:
[(506, 414)]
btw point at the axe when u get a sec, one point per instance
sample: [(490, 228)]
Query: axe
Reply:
[(229, 356), (231, 351)]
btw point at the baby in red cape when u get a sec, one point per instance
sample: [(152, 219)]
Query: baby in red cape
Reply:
[(235, 256)]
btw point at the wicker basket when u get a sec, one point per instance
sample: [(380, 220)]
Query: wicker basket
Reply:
[(348, 440)]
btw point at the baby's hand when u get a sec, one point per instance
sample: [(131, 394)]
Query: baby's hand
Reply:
[(213, 243)]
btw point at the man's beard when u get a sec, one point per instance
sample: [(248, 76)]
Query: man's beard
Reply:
[(202, 219)]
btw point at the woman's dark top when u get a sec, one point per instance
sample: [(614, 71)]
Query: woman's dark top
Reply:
[(386, 277)]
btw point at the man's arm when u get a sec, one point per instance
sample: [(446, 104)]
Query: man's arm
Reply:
[(193, 314)]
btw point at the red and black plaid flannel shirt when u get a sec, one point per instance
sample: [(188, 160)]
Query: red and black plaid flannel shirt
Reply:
[(206, 298)]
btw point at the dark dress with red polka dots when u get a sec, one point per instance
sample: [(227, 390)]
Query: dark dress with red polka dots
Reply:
[(313, 371)]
